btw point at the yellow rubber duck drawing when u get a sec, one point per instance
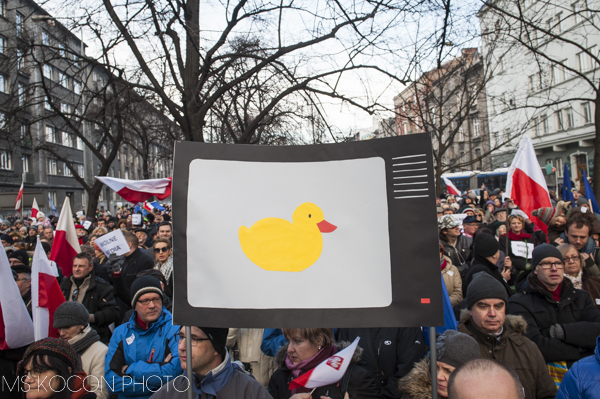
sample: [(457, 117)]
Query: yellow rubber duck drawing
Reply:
[(277, 245)]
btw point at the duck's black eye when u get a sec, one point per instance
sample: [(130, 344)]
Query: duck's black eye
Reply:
[(309, 215)]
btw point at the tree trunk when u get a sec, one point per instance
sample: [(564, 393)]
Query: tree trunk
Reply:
[(191, 72), (596, 178), (438, 179), (94, 195)]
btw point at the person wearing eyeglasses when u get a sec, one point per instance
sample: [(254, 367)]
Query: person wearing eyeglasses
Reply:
[(163, 254), (579, 276), (561, 320), (96, 294), (215, 375), (143, 353)]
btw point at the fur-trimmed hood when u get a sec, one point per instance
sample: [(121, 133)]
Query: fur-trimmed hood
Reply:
[(282, 353), (417, 383), (514, 322)]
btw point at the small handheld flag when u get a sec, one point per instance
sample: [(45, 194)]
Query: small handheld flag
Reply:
[(452, 190), (19, 198), (329, 371)]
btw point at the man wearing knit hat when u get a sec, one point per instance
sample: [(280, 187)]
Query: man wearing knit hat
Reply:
[(456, 245), (561, 320), (214, 373), (501, 337), (486, 253), (143, 353)]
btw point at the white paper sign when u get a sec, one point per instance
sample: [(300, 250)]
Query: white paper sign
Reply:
[(80, 213), (459, 217), (136, 219), (519, 212), (113, 242), (519, 248), (87, 224)]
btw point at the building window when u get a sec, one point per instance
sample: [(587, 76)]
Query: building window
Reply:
[(52, 196), (3, 84), (79, 143), (536, 126), (52, 167), (47, 71), (2, 45), (19, 23), (67, 171), (476, 127), (531, 85), (560, 123), (65, 139), (77, 87), (545, 125), (25, 160), (20, 62), (3, 8), (3, 121), (570, 118), (50, 134), (474, 95), (80, 170), (559, 167), (461, 133), (45, 38), (559, 23), (586, 112), (5, 160), (21, 93)]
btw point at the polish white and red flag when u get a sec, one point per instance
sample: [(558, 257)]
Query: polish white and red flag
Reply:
[(148, 206), (329, 371), (19, 198), (46, 295), (136, 191), (34, 209), (525, 183), (65, 244), (452, 190), (16, 327)]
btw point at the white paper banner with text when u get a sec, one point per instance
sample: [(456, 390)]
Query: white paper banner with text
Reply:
[(113, 243), (524, 250)]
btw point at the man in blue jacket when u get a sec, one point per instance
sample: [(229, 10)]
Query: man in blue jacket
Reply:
[(581, 381), (143, 353)]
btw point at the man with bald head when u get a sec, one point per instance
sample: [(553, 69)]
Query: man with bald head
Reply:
[(484, 379)]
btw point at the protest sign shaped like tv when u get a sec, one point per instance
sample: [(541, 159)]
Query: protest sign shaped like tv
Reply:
[(335, 235), (113, 243)]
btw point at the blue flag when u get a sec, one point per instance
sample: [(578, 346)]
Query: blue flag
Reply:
[(589, 194), (141, 209), (567, 190), (52, 205), (158, 206)]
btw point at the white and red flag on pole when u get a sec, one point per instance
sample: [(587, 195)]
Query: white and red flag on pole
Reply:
[(65, 244), (525, 183), (136, 191), (452, 190), (19, 198), (329, 371), (34, 209), (16, 327), (148, 206), (46, 295)]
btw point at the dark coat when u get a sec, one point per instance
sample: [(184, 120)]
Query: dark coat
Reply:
[(134, 263), (417, 383), (396, 351), (519, 262), (99, 300), (460, 254), (481, 264), (360, 385), (592, 286), (575, 312), (514, 350)]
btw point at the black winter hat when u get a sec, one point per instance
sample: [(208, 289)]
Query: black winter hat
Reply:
[(21, 255), (70, 314), (218, 338), (486, 245), (144, 285), (542, 252), (7, 238), (484, 286)]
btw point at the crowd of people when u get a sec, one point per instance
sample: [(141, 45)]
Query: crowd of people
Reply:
[(525, 298)]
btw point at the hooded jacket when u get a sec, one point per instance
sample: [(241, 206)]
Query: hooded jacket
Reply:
[(226, 381), (575, 312), (514, 350), (417, 383), (360, 386), (144, 351), (460, 253), (453, 282), (582, 381)]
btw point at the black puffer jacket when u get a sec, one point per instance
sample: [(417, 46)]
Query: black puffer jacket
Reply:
[(99, 300), (396, 351), (134, 263), (460, 254), (481, 264), (360, 384), (575, 312)]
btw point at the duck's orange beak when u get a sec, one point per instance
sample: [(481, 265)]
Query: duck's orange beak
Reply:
[(326, 227)]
